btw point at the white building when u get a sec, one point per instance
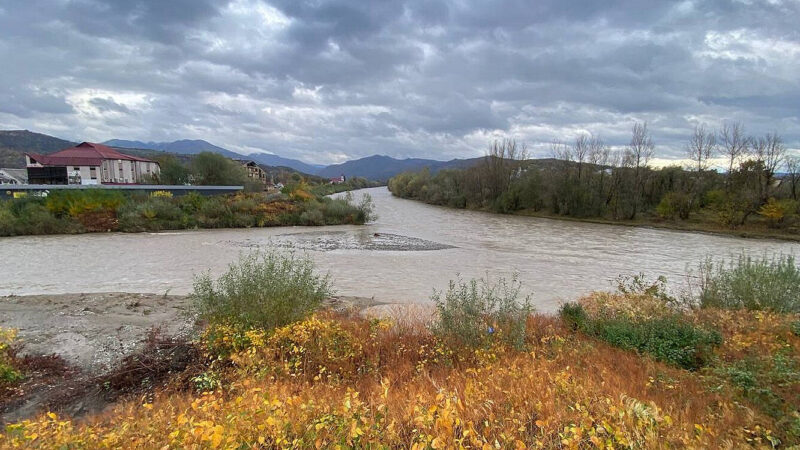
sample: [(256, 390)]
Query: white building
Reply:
[(89, 163)]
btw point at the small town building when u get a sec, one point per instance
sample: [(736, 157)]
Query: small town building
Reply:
[(338, 180), (255, 172), (89, 164), (13, 176)]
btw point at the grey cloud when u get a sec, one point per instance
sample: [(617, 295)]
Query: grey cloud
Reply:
[(108, 104), (403, 77)]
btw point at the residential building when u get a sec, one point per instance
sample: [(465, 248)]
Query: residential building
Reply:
[(89, 163), (13, 176), (338, 180), (254, 171)]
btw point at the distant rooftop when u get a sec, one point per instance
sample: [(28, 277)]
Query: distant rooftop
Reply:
[(83, 154)]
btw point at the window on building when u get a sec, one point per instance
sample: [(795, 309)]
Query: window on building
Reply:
[(93, 172)]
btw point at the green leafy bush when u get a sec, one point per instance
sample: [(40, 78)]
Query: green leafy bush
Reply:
[(8, 374), (754, 284), (261, 291), (574, 316), (675, 205), (475, 313), (666, 339)]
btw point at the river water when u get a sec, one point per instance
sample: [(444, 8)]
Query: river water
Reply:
[(410, 250)]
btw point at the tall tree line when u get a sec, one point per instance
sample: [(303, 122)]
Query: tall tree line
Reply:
[(587, 178)]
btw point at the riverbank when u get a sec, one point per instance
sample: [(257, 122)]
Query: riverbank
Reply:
[(87, 211), (272, 360), (73, 344), (694, 227), (749, 231), (339, 379)]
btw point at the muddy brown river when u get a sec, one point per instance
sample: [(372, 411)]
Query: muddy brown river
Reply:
[(410, 250)]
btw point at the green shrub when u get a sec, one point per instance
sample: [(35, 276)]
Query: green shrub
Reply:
[(8, 374), (312, 217), (191, 202), (574, 316), (76, 202), (795, 327), (754, 284), (261, 291), (667, 339), (765, 381), (339, 211), (214, 213), (475, 313), (366, 210), (674, 205)]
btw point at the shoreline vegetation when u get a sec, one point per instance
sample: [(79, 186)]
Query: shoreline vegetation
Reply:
[(588, 181), (86, 211), (270, 367)]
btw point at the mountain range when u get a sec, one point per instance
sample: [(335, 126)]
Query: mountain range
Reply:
[(13, 143), (192, 147)]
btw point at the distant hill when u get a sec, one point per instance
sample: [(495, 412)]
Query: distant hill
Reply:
[(192, 147), (381, 167), (13, 143)]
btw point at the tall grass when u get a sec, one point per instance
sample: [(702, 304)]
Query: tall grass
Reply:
[(766, 283), (474, 313), (261, 290)]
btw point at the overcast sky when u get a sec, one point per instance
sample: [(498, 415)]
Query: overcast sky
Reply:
[(330, 80)]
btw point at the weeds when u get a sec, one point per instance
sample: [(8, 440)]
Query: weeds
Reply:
[(475, 313), (8, 373), (769, 283), (668, 338), (265, 291)]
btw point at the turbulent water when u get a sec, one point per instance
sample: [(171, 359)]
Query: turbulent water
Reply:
[(411, 249)]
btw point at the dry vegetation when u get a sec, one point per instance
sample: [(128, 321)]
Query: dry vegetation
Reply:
[(331, 380)]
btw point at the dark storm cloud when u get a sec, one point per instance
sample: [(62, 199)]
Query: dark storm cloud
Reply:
[(326, 80)]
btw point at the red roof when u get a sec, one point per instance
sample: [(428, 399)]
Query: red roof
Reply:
[(83, 154)]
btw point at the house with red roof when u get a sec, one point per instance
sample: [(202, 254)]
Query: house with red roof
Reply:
[(89, 163)]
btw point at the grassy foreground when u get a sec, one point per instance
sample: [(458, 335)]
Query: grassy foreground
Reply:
[(625, 370)]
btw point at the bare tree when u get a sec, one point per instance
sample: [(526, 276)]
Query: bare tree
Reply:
[(560, 151), (733, 144), (500, 164), (637, 156), (641, 148), (770, 152), (580, 150), (599, 153), (793, 169), (701, 147)]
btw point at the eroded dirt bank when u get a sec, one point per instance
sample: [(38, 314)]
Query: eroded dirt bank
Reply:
[(84, 351)]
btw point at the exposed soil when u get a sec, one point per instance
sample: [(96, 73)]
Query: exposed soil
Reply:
[(82, 352)]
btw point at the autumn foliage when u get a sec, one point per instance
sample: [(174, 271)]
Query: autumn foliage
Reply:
[(336, 380)]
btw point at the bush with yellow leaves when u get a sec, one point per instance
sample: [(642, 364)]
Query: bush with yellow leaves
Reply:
[(399, 388), (8, 374)]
